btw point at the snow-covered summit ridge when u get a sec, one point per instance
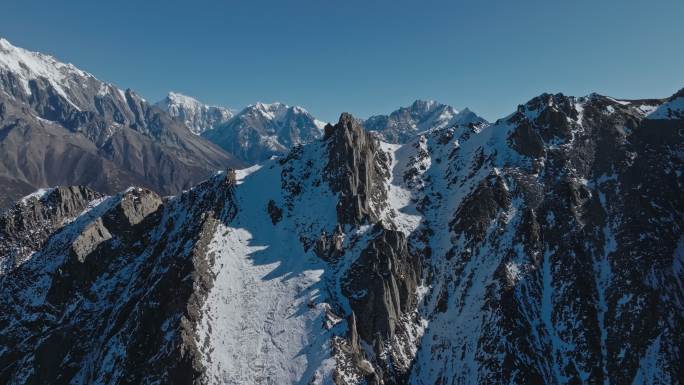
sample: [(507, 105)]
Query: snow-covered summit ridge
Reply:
[(27, 65), (197, 116), (422, 115), (262, 130), (32, 65), (73, 84)]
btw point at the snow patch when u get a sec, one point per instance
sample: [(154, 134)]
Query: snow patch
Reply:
[(38, 194), (673, 109)]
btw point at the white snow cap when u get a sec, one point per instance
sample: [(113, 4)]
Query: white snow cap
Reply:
[(178, 98), (27, 65)]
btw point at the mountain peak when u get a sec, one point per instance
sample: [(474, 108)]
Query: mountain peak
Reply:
[(424, 105), (35, 64), (422, 115), (179, 98), (27, 65), (197, 116), (262, 130), (4, 43), (270, 106)]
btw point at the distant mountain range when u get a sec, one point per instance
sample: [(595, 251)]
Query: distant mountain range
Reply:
[(403, 124), (263, 130), (197, 117), (60, 125)]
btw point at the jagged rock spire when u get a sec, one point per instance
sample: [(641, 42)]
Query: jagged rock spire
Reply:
[(355, 169)]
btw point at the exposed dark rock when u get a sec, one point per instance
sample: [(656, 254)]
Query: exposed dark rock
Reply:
[(329, 246), (25, 228), (274, 211), (134, 281), (381, 284), (475, 214), (527, 141), (355, 169)]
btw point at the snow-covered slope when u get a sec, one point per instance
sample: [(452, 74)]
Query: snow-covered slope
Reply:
[(403, 124), (673, 108), (262, 130), (543, 248), (197, 116), (26, 66)]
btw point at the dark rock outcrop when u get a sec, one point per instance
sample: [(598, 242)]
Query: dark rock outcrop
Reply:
[(381, 284), (356, 169), (128, 291), (329, 246), (381, 289), (275, 212), (478, 210), (25, 228)]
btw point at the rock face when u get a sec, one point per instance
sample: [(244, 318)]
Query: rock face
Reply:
[(545, 248), (403, 124), (356, 170), (381, 286), (549, 244), (261, 131), (197, 117), (118, 285), (25, 228), (62, 126)]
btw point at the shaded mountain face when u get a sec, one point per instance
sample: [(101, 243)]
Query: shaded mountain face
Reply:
[(60, 126), (546, 247), (403, 124), (197, 117), (263, 130)]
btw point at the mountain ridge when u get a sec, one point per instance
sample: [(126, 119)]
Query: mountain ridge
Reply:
[(61, 125), (543, 248), (422, 115), (197, 116), (262, 130)]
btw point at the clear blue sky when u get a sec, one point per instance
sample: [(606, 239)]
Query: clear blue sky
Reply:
[(364, 57)]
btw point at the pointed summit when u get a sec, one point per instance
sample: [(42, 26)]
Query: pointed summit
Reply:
[(197, 116), (422, 115), (262, 130)]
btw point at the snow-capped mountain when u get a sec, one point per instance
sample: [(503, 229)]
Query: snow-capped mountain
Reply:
[(61, 125), (545, 248), (262, 130), (403, 124), (197, 116)]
